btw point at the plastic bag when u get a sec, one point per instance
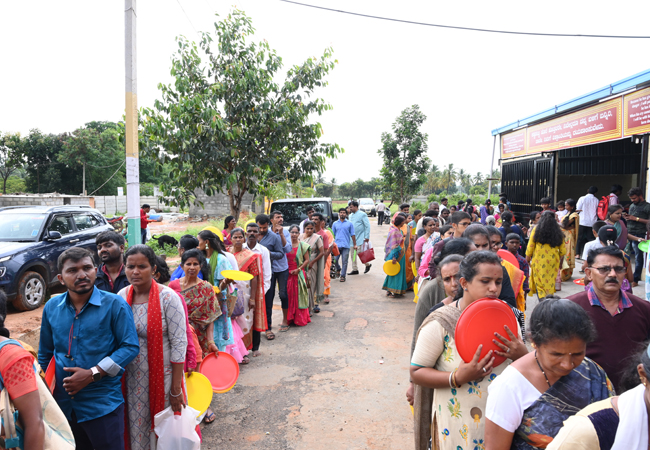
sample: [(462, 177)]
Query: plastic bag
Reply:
[(366, 252), (177, 431)]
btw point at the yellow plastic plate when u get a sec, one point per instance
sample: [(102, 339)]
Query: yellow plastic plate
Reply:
[(391, 269), (215, 230), (236, 275), (199, 391)]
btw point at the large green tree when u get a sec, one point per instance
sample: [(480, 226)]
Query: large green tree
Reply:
[(405, 156), (11, 156), (226, 123)]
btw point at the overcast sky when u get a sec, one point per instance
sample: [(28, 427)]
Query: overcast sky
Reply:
[(63, 64)]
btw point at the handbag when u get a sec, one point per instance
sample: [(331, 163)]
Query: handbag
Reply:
[(335, 250), (366, 252), (58, 435), (238, 310)]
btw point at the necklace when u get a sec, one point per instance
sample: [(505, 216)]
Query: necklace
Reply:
[(540, 368)]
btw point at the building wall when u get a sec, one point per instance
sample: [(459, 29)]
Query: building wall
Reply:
[(44, 200), (116, 204), (218, 205)]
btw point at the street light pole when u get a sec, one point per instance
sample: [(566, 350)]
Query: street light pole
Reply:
[(132, 158)]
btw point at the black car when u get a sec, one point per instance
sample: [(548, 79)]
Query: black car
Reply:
[(31, 240), (293, 209)]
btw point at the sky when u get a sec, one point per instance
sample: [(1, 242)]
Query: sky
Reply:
[(63, 64)]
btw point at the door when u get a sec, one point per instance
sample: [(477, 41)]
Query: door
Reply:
[(525, 182), (544, 181), (52, 249)]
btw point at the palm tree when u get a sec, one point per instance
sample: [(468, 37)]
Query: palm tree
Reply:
[(478, 178), (450, 174)]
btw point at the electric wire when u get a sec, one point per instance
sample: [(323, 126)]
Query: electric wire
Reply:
[(453, 27)]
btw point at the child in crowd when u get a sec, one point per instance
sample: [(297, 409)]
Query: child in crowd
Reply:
[(592, 245), (534, 217), (546, 204), (561, 211), (513, 242)]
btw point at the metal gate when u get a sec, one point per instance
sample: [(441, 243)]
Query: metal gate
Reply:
[(526, 182)]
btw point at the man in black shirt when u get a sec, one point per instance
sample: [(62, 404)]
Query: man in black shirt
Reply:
[(637, 221), (110, 274)]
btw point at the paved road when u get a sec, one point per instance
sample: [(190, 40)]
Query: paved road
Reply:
[(323, 386)]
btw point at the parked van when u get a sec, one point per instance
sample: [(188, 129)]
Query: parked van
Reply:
[(293, 209)]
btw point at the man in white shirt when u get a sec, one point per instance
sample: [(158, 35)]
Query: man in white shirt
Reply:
[(252, 230), (381, 210), (588, 208)]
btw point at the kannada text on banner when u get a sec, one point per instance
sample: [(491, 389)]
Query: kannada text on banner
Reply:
[(637, 113), (596, 124), (513, 144)]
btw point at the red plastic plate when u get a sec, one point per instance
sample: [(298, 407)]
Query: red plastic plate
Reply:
[(222, 371), (477, 325)]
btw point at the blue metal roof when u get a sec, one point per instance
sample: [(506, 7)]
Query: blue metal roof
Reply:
[(611, 89)]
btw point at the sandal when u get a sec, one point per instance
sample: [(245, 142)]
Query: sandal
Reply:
[(209, 417), (269, 335), (245, 360), (326, 300), (316, 309), (284, 328)]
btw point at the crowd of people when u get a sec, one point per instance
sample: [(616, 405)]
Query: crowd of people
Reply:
[(125, 332), (557, 387)]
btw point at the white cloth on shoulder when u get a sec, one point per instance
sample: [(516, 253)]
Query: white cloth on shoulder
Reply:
[(632, 431)]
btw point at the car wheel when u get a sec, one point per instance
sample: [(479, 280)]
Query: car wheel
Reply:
[(31, 292)]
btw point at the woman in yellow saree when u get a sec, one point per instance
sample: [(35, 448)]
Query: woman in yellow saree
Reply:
[(570, 225)]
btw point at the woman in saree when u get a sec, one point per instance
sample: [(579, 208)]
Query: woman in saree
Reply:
[(297, 290), (316, 266), (614, 213), (395, 252), (328, 265), (154, 379), (528, 402), (229, 224), (619, 423), (570, 225), (456, 419), (409, 242), (250, 293), (202, 305)]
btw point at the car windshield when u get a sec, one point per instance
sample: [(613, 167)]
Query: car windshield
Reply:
[(17, 227), (294, 213), (366, 201)]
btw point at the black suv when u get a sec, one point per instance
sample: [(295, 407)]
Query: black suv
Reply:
[(31, 240)]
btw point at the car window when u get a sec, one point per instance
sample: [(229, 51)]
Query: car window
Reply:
[(85, 221), (294, 213), (20, 226), (367, 202), (62, 224)]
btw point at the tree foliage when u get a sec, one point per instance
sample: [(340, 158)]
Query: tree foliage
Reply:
[(405, 156), (226, 124), (11, 156)]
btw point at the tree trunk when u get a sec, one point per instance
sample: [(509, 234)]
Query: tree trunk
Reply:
[(4, 185)]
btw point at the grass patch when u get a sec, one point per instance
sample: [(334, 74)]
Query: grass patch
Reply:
[(194, 231)]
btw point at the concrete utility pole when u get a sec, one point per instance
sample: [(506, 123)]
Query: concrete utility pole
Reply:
[(84, 180), (132, 159)]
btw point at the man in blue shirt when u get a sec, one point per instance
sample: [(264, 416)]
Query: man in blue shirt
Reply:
[(278, 246), (92, 336), (110, 274), (187, 242), (361, 225), (343, 234)]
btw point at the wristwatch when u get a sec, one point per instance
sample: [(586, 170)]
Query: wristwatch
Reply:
[(96, 375)]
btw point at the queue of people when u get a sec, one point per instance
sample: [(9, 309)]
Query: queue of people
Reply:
[(124, 333), (557, 387)]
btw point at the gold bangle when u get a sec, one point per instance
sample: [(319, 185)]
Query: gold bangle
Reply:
[(453, 378)]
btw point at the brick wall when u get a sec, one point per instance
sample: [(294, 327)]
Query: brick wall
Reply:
[(218, 205), (43, 200)]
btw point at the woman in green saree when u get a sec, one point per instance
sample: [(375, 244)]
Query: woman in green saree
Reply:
[(297, 284)]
